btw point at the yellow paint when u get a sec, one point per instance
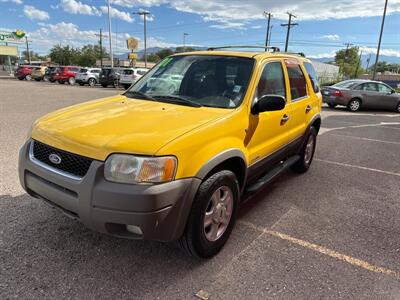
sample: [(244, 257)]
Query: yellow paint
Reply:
[(194, 135), (326, 251)]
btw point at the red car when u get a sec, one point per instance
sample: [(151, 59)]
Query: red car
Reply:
[(66, 74), (23, 72)]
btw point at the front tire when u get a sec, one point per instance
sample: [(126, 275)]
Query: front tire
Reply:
[(92, 82), (307, 153), (71, 81), (212, 216), (28, 77), (354, 105)]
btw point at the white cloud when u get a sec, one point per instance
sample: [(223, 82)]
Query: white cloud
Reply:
[(323, 55), (133, 3), (256, 27), (13, 1), (35, 14), (331, 37), (386, 52), (115, 13), (77, 7)]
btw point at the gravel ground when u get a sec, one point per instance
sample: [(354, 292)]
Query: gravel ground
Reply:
[(333, 233)]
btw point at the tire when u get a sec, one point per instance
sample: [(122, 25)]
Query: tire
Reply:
[(398, 107), (28, 77), (52, 80), (71, 80), (199, 239), (331, 105), (354, 105), (307, 153), (92, 82), (115, 83), (61, 82), (37, 79), (46, 79), (104, 85)]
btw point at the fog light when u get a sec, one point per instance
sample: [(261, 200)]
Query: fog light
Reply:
[(134, 229)]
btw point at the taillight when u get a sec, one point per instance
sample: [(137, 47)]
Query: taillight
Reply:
[(337, 93)]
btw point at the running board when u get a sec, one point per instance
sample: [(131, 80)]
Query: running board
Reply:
[(281, 167)]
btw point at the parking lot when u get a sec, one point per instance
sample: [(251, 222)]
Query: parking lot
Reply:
[(332, 233)]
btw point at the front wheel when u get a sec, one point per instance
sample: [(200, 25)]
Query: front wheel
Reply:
[(71, 80), (354, 105), (398, 107), (212, 216), (28, 77), (307, 153), (92, 82)]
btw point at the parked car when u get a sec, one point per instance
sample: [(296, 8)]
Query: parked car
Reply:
[(131, 75), (23, 72), (38, 73), (359, 93), (66, 74), (88, 76), (49, 74), (153, 165), (109, 76)]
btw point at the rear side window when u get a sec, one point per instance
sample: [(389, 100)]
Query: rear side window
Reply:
[(298, 87), (141, 72), (272, 80), (313, 76), (127, 72), (370, 86)]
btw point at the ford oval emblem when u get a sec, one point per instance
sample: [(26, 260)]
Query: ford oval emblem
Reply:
[(55, 159)]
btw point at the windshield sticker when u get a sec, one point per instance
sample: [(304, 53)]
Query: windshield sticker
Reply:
[(236, 88), (165, 62)]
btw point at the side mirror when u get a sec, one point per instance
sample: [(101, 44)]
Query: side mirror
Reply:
[(268, 103)]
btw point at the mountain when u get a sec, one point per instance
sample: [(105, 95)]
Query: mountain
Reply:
[(364, 59), (153, 50)]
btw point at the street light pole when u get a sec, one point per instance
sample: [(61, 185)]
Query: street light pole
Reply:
[(184, 40), (380, 40), (109, 34), (144, 14), (269, 15), (27, 49)]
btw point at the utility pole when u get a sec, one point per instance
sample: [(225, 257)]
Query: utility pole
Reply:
[(28, 53), (345, 54), (289, 25), (144, 14), (109, 34), (358, 65), (270, 34), (184, 40), (368, 60), (269, 16), (101, 35), (380, 40)]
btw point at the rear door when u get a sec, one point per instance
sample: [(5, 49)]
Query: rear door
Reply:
[(268, 131), (299, 98)]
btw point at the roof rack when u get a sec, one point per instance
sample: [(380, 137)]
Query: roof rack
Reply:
[(274, 49), (296, 53)]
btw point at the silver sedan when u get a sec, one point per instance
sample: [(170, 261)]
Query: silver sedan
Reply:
[(357, 94)]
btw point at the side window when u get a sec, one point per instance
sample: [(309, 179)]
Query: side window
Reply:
[(313, 76), (272, 80), (370, 86), (384, 89), (298, 86)]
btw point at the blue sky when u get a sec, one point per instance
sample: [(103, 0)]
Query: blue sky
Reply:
[(324, 25)]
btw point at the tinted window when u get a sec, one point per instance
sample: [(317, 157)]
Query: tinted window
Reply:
[(384, 89), (83, 70), (95, 71), (141, 72), (298, 86), (127, 72), (313, 76), (272, 80), (370, 86)]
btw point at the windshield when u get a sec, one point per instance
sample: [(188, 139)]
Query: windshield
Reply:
[(346, 84), (197, 80)]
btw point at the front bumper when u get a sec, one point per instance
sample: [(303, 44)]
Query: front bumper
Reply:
[(160, 211)]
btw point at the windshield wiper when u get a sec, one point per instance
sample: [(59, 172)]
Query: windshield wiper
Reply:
[(140, 94), (177, 99)]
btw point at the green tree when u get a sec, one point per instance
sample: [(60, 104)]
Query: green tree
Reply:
[(184, 49), (164, 53), (34, 55), (348, 60), (89, 54), (85, 57), (153, 57)]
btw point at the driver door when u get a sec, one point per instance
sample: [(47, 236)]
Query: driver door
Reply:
[(268, 132)]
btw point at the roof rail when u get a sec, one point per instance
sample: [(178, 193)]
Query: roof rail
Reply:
[(296, 53), (274, 49)]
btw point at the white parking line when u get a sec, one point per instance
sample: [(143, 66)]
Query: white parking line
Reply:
[(323, 250), (358, 167), (363, 138)]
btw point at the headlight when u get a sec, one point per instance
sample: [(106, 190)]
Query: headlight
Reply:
[(125, 168)]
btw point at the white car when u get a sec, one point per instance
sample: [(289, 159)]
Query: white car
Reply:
[(88, 76), (131, 75)]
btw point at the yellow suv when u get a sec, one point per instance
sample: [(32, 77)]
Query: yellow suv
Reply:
[(171, 158), (38, 73)]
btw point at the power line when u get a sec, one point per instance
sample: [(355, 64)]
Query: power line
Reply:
[(289, 25)]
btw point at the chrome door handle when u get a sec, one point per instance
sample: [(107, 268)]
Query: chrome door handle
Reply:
[(308, 109), (284, 119)]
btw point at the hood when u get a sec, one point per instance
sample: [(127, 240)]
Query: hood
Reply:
[(119, 124)]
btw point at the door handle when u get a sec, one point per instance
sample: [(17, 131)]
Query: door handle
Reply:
[(284, 119), (308, 109)]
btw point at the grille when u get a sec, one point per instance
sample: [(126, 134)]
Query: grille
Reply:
[(70, 163)]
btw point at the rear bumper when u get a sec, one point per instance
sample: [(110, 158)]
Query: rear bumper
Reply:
[(334, 100), (160, 211)]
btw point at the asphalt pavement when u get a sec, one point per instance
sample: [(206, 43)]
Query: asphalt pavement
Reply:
[(332, 233)]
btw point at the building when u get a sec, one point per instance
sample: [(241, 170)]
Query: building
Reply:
[(390, 79), (326, 72)]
